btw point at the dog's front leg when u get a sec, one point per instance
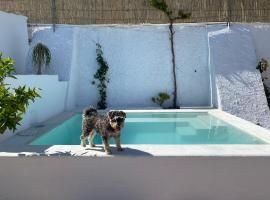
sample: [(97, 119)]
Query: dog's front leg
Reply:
[(118, 142), (91, 138), (105, 141), (83, 140)]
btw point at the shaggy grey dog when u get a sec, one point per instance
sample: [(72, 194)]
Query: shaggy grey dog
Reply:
[(107, 126)]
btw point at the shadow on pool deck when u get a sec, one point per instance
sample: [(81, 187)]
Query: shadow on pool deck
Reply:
[(66, 150), (18, 145)]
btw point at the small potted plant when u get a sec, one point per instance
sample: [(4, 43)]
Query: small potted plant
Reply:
[(41, 56)]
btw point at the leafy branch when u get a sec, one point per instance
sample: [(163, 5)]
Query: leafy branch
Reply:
[(13, 102)]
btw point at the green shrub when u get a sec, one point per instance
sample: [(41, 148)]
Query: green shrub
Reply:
[(13, 102), (161, 98)]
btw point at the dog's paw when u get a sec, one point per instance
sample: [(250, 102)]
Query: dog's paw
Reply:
[(120, 149), (108, 152), (83, 144)]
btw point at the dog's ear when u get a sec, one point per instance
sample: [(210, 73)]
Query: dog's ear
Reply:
[(111, 114), (90, 111), (123, 114)]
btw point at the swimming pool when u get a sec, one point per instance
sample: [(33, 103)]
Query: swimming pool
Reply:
[(158, 128)]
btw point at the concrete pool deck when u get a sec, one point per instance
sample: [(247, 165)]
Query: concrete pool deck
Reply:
[(19, 144)]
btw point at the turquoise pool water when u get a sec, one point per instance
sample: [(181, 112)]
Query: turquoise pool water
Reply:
[(157, 128)]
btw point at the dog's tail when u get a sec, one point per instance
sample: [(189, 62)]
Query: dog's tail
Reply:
[(90, 111)]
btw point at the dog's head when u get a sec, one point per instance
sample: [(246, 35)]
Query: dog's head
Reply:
[(117, 119)]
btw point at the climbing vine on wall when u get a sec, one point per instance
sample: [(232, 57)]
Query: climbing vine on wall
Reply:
[(101, 77)]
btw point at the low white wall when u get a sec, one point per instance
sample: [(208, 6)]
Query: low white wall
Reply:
[(52, 101), (14, 39), (141, 178)]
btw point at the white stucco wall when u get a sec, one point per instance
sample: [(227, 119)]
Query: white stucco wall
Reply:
[(139, 58), (73, 83), (239, 88), (14, 39), (140, 62), (60, 44), (261, 39), (52, 101)]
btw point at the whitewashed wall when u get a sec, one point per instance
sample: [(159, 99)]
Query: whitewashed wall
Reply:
[(239, 89), (73, 83), (140, 64), (51, 103), (60, 44), (139, 57), (14, 39), (261, 40)]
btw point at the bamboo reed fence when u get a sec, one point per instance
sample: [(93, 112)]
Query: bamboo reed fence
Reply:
[(135, 11)]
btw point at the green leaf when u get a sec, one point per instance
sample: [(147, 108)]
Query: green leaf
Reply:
[(13, 102), (184, 15), (160, 5)]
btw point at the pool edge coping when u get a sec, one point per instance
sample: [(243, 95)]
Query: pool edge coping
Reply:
[(151, 150)]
